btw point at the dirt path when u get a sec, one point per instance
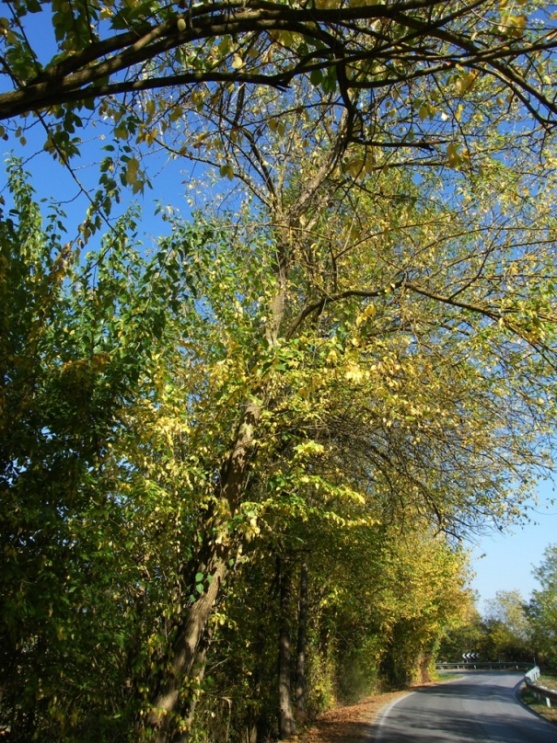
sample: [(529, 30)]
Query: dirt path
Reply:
[(347, 724)]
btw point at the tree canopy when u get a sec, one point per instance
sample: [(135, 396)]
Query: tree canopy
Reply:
[(301, 402), (360, 383), (62, 61)]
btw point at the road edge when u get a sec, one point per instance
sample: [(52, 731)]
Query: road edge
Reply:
[(518, 697), (379, 719)]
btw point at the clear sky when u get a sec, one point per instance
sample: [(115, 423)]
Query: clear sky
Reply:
[(504, 562)]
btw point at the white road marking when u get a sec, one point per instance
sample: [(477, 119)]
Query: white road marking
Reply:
[(380, 720)]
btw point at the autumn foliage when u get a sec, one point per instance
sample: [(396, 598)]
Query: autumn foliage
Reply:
[(237, 463)]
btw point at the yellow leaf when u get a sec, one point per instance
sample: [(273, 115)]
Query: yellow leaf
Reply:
[(354, 374), (237, 62), (285, 38), (452, 155), (513, 25), (355, 166), (227, 171), (131, 170), (369, 161), (309, 449), (465, 82), (518, 22)]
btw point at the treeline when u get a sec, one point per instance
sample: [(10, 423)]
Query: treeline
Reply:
[(512, 628)]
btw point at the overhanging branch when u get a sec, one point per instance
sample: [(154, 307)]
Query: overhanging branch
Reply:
[(338, 38)]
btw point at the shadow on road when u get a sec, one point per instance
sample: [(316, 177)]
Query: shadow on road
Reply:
[(467, 711)]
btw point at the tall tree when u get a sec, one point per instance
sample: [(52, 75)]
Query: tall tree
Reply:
[(79, 340), (379, 374)]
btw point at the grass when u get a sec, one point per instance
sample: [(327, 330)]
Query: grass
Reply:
[(549, 680), (550, 713), (445, 676)]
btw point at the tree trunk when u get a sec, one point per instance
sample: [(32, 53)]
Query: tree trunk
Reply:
[(287, 724), (168, 712), (187, 656), (300, 692)]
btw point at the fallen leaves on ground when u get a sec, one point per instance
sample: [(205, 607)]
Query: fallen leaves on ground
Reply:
[(352, 724)]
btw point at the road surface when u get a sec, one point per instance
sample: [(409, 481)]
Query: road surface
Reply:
[(480, 706)]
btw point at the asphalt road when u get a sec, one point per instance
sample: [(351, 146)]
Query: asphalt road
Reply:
[(481, 706)]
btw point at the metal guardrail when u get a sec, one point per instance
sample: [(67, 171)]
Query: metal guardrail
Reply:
[(484, 666), (541, 692), (533, 675)]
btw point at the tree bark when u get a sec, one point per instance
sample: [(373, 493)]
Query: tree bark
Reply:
[(300, 691), (287, 724), (187, 655)]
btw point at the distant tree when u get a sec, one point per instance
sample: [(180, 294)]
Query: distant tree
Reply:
[(508, 629), (542, 609), (503, 633)]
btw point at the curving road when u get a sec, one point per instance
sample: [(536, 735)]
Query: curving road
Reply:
[(479, 706)]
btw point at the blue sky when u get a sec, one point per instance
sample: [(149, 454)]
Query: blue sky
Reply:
[(504, 562)]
